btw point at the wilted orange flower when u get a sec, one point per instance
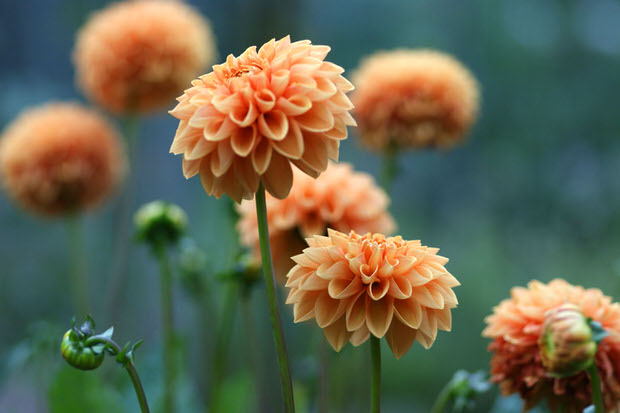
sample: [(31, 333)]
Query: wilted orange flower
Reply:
[(413, 99), (60, 158), (515, 327), (246, 121), (340, 198), (138, 55), (357, 285)]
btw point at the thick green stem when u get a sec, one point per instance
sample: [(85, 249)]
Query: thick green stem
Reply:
[(597, 395), (272, 301), (169, 349), (117, 279), (375, 381), (79, 270), (222, 345), (442, 399), (129, 366), (389, 168)]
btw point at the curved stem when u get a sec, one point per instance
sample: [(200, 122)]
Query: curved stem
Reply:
[(79, 270), (375, 383), (442, 398), (168, 328), (272, 301), (129, 366), (389, 168), (222, 345), (595, 382), (117, 278)]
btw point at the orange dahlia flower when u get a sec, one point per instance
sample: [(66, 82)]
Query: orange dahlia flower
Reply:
[(413, 99), (515, 327), (60, 158), (254, 115), (340, 198), (356, 285), (138, 55)]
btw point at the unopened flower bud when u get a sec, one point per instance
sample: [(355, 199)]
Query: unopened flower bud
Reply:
[(75, 351), (566, 343), (160, 222)]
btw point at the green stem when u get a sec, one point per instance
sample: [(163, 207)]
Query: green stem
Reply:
[(375, 382), (129, 366), (272, 301), (79, 270), (168, 328), (117, 279), (389, 168), (222, 345), (597, 395), (442, 398)]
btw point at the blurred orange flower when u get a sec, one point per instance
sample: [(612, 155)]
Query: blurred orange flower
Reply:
[(60, 158), (138, 55), (515, 327), (340, 198), (413, 99), (356, 285), (246, 121)]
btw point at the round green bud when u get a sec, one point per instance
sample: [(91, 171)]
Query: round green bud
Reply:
[(566, 343), (77, 354), (160, 222)]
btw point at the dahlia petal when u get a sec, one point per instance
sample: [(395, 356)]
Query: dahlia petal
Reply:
[(273, 125), (304, 309), (400, 288), (424, 340), (202, 115), (304, 261), (227, 104), (317, 241), (315, 153), (306, 65), (314, 283), (243, 140), (424, 297), (265, 100), (333, 147), (317, 119), (261, 156), (296, 274), (336, 334), (324, 90), (356, 312), (343, 84), (346, 118), (379, 315), (279, 81), (278, 178), (305, 168), (206, 178), (378, 289), (429, 324), (409, 312), (330, 271), (184, 136), (341, 288), (183, 110), (327, 310), (244, 116), (360, 336), (294, 296), (222, 159), (200, 149), (329, 68), (339, 131), (191, 168), (400, 338), (245, 174), (233, 188), (318, 255), (295, 105), (444, 318), (319, 51)]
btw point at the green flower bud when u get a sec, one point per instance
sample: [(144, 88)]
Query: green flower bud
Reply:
[(77, 354), (160, 222), (566, 343)]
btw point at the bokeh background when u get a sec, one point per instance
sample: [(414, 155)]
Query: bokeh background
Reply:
[(533, 194)]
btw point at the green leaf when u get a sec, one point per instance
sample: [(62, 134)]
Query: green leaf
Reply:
[(108, 333), (82, 391)]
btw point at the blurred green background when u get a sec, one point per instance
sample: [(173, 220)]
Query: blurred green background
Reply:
[(533, 194)]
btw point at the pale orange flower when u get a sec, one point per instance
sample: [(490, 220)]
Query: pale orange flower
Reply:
[(255, 114), (413, 99), (139, 55), (60, 158), (340, 198), (356, 285), (515, 327)]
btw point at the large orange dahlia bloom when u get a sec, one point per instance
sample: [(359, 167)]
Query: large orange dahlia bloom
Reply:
[(340, 198), (515, 327), (60, 158), (138, 55), (356, 285), (413, 99), (254, 115)]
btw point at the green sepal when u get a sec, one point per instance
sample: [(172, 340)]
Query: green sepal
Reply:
[(598, 332)]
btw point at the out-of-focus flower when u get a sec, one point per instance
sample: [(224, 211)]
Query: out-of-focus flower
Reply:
[(254, 115), (356, 285), (413, 99), (566, 344), (60, 158), (516, 326), (340, 198), (160, 222), (138, 55)]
